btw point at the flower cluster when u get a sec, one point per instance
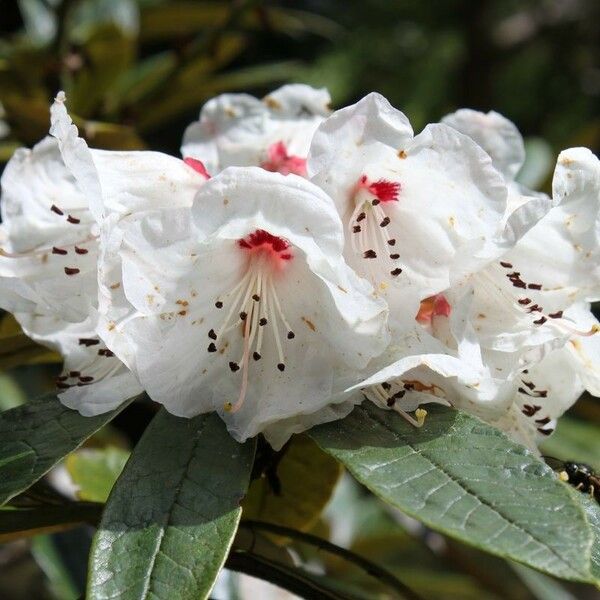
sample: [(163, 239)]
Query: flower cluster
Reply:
[(297, 261)]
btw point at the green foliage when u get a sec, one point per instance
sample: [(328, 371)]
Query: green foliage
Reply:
[(171, 518), (94, 471), (294, 491), (36, 436), (469, 481)]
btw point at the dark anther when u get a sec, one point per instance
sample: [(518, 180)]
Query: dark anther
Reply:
[(543, 421), (557, 315), (262, 322), (62, 386), (79, 250), (74, 373), (74, 220), (386, 386), (219, 304), (396, 272), (356, 229), (540, 321), (86, 379), (71, 270), (212, 335), (255, 297), (212, 347), (506, 265), (256, 356), (88, 342), (545, 431), (375, 201), (56, 210), (392, 242), (243, 315), (60, 251), (394, 256), (534, 286), (234, 366), (370, 254), (281, 366), (360, 217), (524, 301), (385, 222), (291, 335), (391, 401)]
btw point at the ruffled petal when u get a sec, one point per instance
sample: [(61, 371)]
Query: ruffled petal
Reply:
[(498, 136)]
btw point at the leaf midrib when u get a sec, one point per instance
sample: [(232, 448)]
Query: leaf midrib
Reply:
[(483, 502)]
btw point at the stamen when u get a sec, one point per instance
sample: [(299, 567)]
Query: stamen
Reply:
[(56, 210), (71, 270)]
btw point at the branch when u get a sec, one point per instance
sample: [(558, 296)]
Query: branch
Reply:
[(370, 568)]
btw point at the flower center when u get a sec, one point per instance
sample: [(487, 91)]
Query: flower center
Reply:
[(254, 306), (279, 161), (434, 306), (369, 226)]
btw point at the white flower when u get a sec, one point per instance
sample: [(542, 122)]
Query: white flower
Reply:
[(113, 185), (519, 304), (240, 130), (48, 274), (498, 136), (524, 322), (242, 304), (420, 212), (501, 139)]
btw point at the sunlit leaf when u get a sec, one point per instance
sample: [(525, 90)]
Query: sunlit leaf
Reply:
[(467, 480), (172, 515), (36, 436), (94, 471)]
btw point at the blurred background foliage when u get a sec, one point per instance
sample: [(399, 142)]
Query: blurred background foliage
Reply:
[(136, 73)]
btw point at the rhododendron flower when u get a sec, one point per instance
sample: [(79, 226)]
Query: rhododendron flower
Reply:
[(48, 274), (273, 133), (242, 304), (95, 172), (419, 212), (525, 320)]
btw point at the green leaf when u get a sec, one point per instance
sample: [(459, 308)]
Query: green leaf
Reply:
[(592, 512), (467, 480), (95, 471), (36, 436), (304, 479), (49, 560), (172, 515)]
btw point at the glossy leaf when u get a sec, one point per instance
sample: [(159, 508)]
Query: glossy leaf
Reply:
[(467, 480), (172, 515), (36, 436), (297, 489)]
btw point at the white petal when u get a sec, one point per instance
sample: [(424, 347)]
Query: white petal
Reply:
[(498, 136), (174, 271), (238, 130), (444, 216)]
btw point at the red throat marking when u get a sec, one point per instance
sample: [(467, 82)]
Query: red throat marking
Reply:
[(279, 161), (434, 306), (197, 165), (263, 241), (383, 189)]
